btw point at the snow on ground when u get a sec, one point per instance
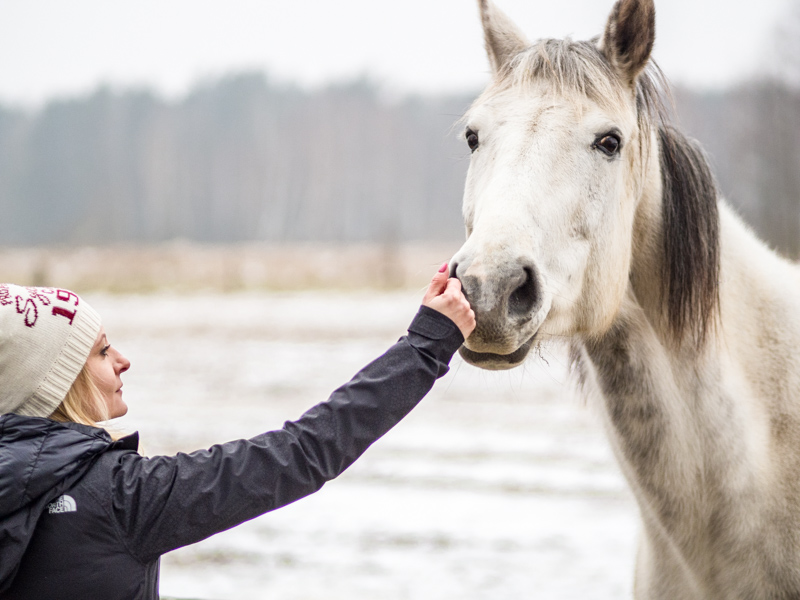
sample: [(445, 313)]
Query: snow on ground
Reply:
[(499, 485)]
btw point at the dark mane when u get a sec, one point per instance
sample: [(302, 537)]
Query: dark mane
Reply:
[(690, 245), (690, 217)]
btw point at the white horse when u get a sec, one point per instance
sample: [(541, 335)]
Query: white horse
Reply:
[(590, 220)]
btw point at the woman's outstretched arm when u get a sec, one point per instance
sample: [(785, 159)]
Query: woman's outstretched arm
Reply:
[(163, 503)]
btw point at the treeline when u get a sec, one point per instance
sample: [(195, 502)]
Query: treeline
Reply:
[(245, 158), (240, 159), (752, 136)]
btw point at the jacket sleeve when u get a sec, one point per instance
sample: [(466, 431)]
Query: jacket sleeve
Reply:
[(162, 503)]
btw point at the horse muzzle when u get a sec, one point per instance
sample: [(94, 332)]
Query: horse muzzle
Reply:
[(508, 306)]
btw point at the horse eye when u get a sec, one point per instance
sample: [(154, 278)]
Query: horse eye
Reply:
[(472, 140), (609, 144)]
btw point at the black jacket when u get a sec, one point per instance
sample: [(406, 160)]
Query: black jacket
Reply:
[(83, 517)]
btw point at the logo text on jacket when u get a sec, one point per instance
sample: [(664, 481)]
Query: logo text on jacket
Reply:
[(63, 504)]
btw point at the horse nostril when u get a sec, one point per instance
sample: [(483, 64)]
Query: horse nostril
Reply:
[(454, 269), (526, 296)]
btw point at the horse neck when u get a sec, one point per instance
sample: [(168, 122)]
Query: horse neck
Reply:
[(696, 429), (661, 399)]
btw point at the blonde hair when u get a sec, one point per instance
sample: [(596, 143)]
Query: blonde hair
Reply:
[(83, 403)]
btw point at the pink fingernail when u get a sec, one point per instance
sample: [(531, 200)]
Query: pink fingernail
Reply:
[(443, 268)]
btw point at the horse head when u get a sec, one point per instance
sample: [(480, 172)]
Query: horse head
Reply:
[(560, 157)]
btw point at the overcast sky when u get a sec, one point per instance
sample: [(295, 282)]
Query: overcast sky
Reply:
[(64, 47)]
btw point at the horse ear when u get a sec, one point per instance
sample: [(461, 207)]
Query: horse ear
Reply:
[(629, 37), (503, 39)]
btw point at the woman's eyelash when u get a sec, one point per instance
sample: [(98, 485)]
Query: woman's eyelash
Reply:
[(104, 351)]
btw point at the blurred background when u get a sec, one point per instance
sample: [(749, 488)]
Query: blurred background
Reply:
[(257, 124), (254, 194)]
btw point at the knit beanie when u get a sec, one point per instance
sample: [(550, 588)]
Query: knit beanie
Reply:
[(46, 335)]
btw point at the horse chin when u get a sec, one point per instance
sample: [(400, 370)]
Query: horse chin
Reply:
[(497, 362)]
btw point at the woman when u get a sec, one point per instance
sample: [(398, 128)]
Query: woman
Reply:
[(83, 516)]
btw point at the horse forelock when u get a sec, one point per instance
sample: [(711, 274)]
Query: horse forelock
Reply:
[(690, 221), (572, 67)]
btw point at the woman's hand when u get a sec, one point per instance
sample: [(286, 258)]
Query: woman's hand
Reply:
[(444, 295)]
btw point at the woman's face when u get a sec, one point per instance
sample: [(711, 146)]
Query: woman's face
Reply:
[(105, 365)]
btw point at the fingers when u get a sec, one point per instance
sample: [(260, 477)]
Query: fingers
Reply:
[(454, 285), (438, 283), (462, 315), (445, 295)]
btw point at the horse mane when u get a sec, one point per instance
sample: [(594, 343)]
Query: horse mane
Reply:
[(690, 218)]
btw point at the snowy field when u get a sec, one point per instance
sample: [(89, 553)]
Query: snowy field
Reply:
[(498, 486)]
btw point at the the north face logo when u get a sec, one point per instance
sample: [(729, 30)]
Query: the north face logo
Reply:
[(63, 504)]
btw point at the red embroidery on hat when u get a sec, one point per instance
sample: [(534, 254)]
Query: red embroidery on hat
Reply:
[(28, 308), (39, 294), (5, 296), (70, 314), (66, 296)]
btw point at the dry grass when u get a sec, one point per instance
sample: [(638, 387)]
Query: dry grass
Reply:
[(182, 266)]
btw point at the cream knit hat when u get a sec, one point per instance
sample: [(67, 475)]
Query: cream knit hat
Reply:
[(45, 338)]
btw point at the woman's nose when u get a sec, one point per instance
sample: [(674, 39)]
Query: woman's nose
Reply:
[(123, 364)]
